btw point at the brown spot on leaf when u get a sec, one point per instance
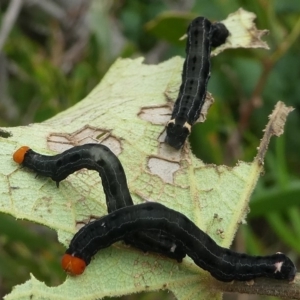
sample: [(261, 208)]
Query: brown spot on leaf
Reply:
[(163, 168), (5, 134), (60, 142), (209, 100), (83, 222), (156, 114)]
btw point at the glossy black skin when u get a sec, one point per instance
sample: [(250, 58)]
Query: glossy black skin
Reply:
[(177, 133), (202, 35), (99, 158), (223, 264), (219, 35)]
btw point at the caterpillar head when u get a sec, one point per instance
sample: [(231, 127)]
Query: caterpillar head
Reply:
[(73, 265), (19, 155), (284, 267), (219, 34), (177, 132)]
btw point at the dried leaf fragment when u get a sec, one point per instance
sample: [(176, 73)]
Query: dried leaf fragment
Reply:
[(274, 127)]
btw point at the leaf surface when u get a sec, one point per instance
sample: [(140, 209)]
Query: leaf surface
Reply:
[(127, 111)]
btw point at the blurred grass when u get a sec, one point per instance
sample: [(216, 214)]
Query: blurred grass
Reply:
[(41, 80)]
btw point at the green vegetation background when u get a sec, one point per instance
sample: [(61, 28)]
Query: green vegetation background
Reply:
[(50, 61)]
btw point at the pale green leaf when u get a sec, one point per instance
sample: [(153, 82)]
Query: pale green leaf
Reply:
[(127, 111), (214, 197)]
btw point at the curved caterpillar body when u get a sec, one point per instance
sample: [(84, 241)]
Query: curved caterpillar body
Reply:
[(223, 264), (90, 156), (202, 35), (101, 159)]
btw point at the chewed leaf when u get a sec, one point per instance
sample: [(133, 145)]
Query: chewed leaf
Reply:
[(243, 32), (214, 197), (127, 112)]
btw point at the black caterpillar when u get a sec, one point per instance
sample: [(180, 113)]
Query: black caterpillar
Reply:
[(202, 35), (223, 264), (101, 159), (148, 226)]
